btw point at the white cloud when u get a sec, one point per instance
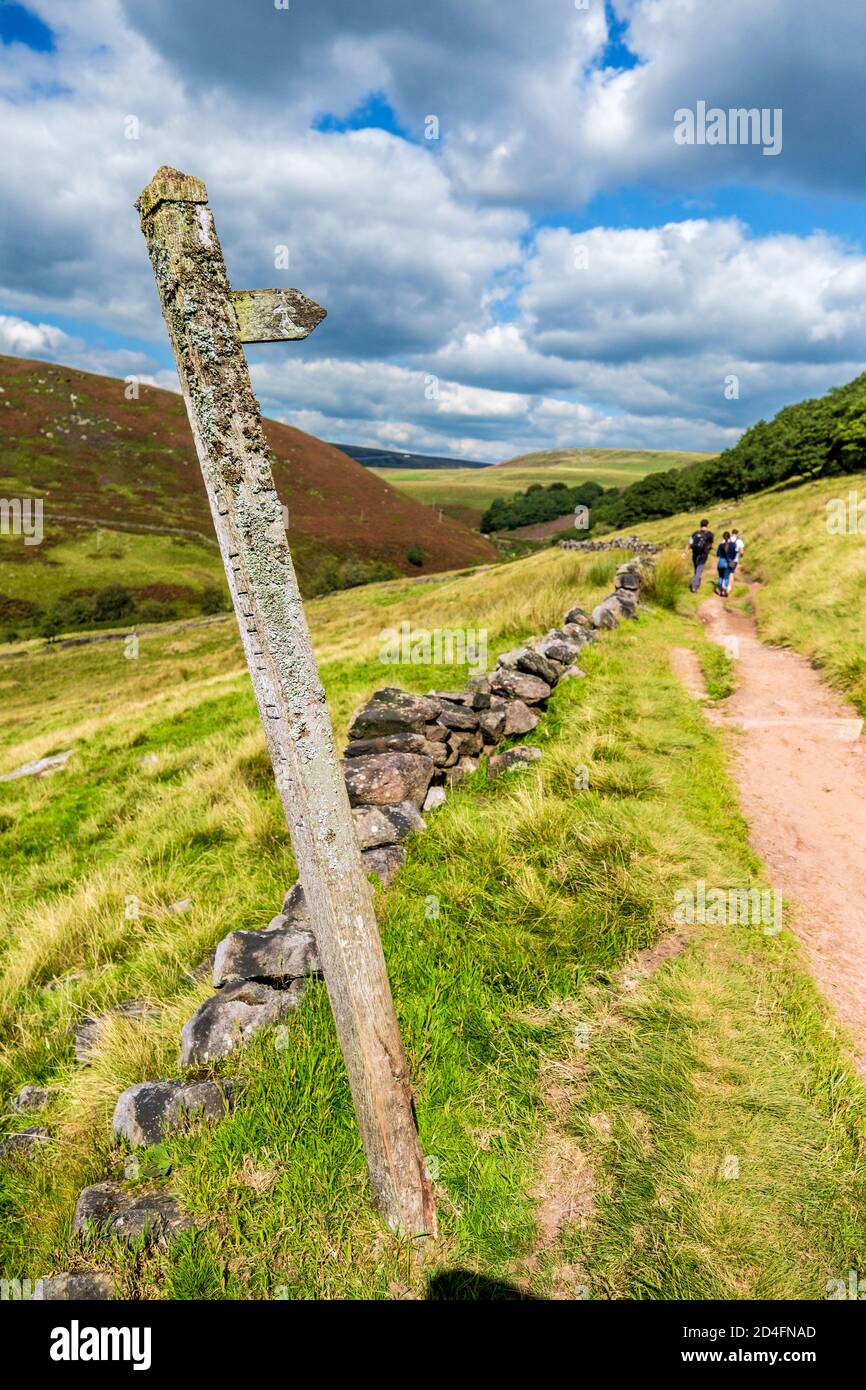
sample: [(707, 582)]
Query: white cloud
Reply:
[(21, 338), (425, 254)]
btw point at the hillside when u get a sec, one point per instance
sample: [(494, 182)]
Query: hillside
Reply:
[(397, 458), (563, 1169), (821, 436), (466, 493), (626, 463), (811, 581), (124, 501)]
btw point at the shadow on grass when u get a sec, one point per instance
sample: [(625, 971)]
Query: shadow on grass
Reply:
[(465, 1285)]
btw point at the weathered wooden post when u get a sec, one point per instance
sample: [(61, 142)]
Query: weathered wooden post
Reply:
[(207, 323)]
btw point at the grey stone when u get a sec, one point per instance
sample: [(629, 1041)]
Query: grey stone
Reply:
[(386, 779), (294, 909), (534, 663), (387, 825), (24, 1140), (388, 743), (519, 685), (42, 768), (435, 733), (384, 860), (579, 617), (605, 616), (109, 1211), (229, 1019), (146, 1112), (459, 717), (512, 760), (572, 673), (34, 1097), (84, 1287), (573, 632), (467, 744), (627, 579), (393, 711), (519, 718), (276, 956), (472, 698), (559, 649), (627, 601), (436, 796), (492, 723)]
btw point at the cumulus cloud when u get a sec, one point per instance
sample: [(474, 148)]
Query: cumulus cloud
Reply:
[(431, 256), (635, 293), (529, 106), (21, 338), (394, 406)]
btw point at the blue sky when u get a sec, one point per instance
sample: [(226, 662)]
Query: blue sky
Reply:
[(20, 25), (551, 269)]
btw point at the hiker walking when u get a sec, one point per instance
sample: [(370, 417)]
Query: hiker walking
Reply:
[(700, 543), (739, 547), (726, 552)]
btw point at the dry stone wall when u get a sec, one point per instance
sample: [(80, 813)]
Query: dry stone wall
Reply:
[(405, 752), (633, 543)]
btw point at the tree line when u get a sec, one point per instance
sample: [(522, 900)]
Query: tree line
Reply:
[(542, 503), (815, 438)]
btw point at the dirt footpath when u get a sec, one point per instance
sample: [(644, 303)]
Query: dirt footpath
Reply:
[(800, 762)]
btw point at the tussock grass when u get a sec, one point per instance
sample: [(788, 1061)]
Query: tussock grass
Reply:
[(667, 579), (719, 670)]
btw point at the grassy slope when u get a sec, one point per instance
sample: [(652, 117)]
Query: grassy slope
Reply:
[(508, 927), (812, 584), (466, 493), (73, 439)]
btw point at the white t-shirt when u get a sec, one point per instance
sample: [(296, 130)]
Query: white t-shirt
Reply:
[(741, 545)]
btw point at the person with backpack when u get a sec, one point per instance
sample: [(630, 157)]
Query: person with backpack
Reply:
[(739, 547), (700, 544), (726, 553)]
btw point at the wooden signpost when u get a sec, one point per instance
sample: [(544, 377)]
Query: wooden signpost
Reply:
[(207, 324)]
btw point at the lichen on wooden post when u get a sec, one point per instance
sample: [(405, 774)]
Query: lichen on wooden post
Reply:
[(203, 326)]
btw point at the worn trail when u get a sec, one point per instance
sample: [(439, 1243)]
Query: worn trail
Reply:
[(800, 762)]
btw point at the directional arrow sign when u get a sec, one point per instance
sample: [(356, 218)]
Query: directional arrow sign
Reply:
[(275, 316), (207, 323)]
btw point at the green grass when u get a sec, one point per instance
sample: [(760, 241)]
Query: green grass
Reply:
[(719, 671), (509, 926), (464, 492), (90, 559)]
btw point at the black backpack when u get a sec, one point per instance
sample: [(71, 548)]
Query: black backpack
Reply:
[(700, 543)]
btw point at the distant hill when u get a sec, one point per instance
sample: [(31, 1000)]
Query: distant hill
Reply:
[(124, 503), (466, 493), (389, 458), (627, 463)]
